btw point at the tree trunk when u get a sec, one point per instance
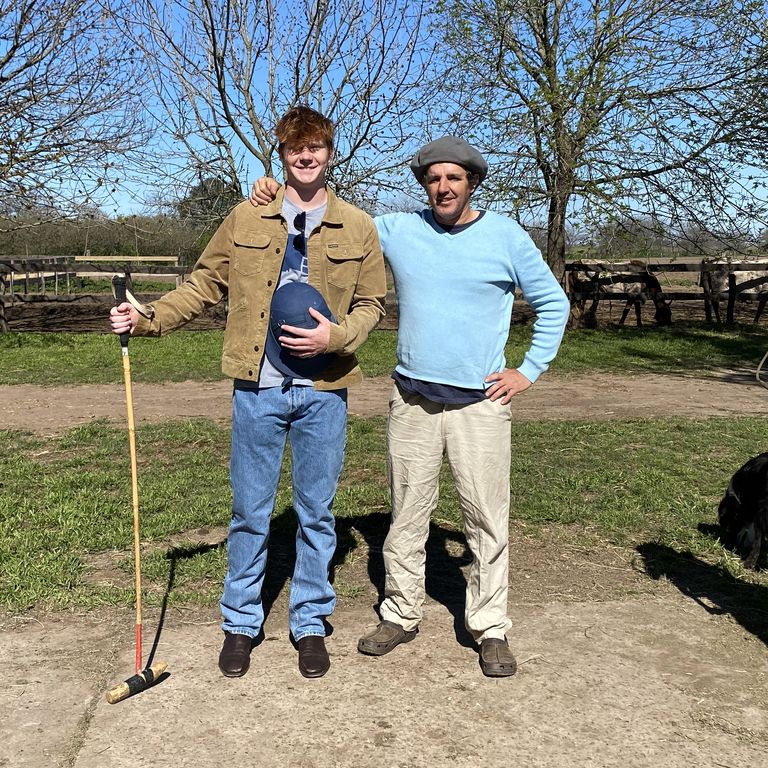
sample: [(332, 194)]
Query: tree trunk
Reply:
[(556, 235)]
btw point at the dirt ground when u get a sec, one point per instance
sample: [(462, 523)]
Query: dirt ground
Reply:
[(49, 410), (632, 657), (628, 657)]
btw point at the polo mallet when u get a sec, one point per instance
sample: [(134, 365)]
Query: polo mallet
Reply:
[(143, 677)]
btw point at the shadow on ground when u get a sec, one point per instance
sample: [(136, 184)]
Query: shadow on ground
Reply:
[(711, 586), (447, 556), (173, 555)]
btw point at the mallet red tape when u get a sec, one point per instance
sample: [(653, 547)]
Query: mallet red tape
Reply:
[(146, 677)]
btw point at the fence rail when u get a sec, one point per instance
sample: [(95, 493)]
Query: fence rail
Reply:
[(26, 280), (169, 259), (36, 273), (667, 266), (600, 275)]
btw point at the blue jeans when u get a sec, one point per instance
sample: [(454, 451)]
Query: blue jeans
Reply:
[(261, 419)]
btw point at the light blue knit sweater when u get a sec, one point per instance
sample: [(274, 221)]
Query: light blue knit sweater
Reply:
[(455, 295)]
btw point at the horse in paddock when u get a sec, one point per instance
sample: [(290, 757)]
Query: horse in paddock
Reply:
[(585, 278), (749, 282)]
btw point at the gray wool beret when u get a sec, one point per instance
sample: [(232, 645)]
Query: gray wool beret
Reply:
[(448, 149)]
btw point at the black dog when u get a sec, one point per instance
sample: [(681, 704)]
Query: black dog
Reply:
[(743, 512)]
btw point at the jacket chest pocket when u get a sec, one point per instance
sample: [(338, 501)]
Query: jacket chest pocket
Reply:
[(343, 264), (250, 250)]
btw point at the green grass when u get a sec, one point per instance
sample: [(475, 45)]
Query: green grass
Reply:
[(60, 358), (377, 356), (683, 348), (69, 358), (95, 285), (65, 499)]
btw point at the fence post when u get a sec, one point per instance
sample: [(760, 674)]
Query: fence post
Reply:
[(731, 297), (706, 284), (3, 322)]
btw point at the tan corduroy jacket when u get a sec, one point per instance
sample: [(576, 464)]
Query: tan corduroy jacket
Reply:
[(243, 261)]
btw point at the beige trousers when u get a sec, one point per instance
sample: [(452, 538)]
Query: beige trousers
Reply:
[(476, 441)]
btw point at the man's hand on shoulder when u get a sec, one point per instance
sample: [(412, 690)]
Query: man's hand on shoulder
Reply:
[(506, 385), (264, 191)]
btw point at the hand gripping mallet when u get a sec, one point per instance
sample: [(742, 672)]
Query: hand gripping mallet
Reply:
[(146, 677)]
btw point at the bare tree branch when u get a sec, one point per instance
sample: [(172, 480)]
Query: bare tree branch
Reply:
[(69, 110), (224, 71), (600, 110)]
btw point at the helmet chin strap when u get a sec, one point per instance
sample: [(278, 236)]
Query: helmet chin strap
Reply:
[(130, 298)]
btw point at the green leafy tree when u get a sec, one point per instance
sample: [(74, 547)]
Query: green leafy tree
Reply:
[(609, 110)]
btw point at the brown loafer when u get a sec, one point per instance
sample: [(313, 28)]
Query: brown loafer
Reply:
[(235, 656), (496, 660), (384, 638), (313, 658)]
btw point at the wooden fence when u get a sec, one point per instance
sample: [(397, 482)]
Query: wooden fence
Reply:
[(25, 280), (608, 280), (28, 279)]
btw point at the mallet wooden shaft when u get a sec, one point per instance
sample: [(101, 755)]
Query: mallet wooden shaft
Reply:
[(146, 677), (135, 492)]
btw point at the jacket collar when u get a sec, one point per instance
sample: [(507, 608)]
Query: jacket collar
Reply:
[(332, 212)]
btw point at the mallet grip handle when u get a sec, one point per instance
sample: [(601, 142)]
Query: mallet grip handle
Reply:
[(118, 283)]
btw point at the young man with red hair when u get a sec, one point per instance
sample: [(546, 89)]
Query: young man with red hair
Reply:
[(296, 386)]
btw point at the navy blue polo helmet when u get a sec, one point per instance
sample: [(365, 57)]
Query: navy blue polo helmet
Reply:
[(290, 306)]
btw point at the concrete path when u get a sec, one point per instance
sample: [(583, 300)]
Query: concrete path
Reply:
[(648, 681)]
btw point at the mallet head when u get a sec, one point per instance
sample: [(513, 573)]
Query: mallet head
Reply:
[(136, 683)]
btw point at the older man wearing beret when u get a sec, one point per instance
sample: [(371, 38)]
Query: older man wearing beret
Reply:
[(456, 270)]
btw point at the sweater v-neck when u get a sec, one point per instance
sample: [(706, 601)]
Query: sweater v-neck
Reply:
[(456, 229)]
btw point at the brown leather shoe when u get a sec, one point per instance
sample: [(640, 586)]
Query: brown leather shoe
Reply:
[(384, 638), (235, 656), (496, 660), (313, 658)]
